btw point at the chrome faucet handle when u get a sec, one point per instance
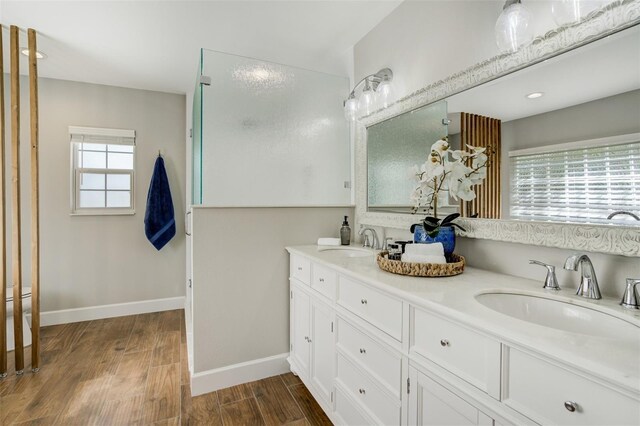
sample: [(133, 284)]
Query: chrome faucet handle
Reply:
[(551, 282), (588, 287), (630, 300), (365, 241), (385, 245)]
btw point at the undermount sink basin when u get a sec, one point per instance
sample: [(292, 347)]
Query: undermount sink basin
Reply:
[(560, 315), (348, 251)]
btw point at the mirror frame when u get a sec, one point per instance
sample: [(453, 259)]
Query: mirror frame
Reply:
[(616, 16)]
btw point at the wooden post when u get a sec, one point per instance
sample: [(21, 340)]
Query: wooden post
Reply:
[(35, 203), (3, 237), (16, 249)]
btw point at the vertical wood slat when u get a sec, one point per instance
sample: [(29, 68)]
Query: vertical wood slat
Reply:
[(35, 201), (3, 237), (485, 132), (16, 249)]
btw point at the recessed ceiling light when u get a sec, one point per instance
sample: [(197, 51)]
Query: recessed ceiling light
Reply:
[(534, 95), (39, 54)]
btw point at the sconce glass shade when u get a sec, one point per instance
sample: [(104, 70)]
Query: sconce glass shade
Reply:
[(351, 109), (384, 94), (570, 11), (513, 28), (366, 101)]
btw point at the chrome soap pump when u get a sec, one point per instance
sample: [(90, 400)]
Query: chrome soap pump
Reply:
[(345, 232)]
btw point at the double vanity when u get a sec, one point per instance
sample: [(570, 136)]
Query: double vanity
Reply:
[(480, 348)]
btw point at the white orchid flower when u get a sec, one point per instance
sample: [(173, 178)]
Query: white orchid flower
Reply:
[(460, 155), (440, 146), (477, 149), (465, 191)]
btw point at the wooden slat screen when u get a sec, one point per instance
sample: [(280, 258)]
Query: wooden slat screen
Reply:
[(480, 131)]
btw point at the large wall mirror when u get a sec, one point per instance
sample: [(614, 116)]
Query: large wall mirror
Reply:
[(566, 143)]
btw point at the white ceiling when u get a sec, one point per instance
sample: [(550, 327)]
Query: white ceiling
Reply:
[(155, 45)]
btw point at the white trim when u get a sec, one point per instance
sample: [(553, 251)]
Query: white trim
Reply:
[(100, 131), (224, 377), (570, 146), (89, 313)]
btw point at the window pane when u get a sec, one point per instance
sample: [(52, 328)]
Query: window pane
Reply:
[(91, 181), (121, 148), (120, 161), (91, 199), (93, 147), (118, 199), (119, 182), (92, 160)]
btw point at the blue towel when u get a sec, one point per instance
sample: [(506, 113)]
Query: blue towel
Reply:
[(159, 221)]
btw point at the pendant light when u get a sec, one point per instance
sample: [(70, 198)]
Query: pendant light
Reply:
[(376, 93)]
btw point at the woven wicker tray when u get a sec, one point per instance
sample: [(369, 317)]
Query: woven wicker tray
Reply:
[(421, 269)]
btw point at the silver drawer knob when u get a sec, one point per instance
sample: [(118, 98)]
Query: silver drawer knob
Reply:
[(570, 406), (363, 301), (444, 342), (362, 391), (321, 280), (363, 351)]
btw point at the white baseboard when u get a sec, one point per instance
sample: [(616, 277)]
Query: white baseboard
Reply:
[(110, 311), (220, 378)]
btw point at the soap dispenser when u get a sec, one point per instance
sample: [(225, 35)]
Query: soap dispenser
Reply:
[(345, 232)]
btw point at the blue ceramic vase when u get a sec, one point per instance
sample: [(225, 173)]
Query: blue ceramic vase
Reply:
[(446, 236)]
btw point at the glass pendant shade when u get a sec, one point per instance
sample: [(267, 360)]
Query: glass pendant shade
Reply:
[(384, 94), (513, 28), (570, 11), (365, 103), (351, 109)]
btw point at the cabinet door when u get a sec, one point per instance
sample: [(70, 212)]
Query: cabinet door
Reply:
[(432, 404), (322, 347), (300, 331)]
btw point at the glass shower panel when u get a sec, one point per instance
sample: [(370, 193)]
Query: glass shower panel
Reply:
[(272, 135), (394, 146), (196, 167)]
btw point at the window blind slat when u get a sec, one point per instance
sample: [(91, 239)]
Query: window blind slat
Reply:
[(581, 185)]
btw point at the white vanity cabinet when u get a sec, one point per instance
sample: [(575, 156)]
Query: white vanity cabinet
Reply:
[(375, 355)]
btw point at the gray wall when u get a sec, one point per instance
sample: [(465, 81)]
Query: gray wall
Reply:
[(612, 116), (99, 260), (418, 42), (240, 278)]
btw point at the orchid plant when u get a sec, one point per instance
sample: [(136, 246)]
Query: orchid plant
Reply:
[(449, 171)]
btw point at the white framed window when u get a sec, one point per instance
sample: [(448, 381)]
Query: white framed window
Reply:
[(584, 181), (102, 171)]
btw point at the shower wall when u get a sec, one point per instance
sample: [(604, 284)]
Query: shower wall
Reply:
[(267, 134)]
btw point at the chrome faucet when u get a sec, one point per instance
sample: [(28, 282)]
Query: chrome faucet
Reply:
[(614, 214), (551, 282), (631, 300), (374, 237), (589, 282)]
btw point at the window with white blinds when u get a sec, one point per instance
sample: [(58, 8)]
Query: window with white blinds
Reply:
[(582, 181), (102, 170)]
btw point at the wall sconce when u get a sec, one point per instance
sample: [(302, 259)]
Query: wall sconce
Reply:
[(375, 94), (513, 28)]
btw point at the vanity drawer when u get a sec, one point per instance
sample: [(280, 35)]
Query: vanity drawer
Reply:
[(348, 412), (324, 281), (300, 268), (382, 311), (465, 353), (539, 390), (366, 392), (385, 365)]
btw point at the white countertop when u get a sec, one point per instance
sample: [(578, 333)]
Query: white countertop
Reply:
[(610, 359)]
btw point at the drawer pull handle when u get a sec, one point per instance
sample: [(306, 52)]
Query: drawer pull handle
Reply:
[(444, 343), (570, 406), (321, 280), (363, 301), (362, 391), (363, 351), (299, 268)]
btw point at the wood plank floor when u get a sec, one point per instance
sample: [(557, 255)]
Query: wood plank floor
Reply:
[(132, 371)]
